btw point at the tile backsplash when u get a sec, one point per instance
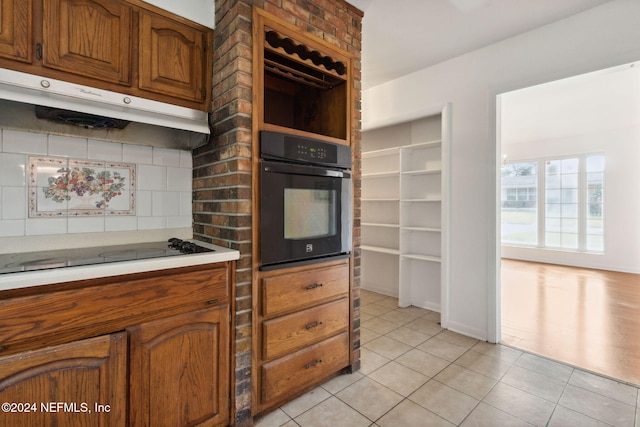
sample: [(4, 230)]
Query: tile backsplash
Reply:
[(160, 180), (60, 186)]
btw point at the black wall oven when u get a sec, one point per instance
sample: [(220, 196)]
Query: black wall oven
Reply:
[(305, 200)]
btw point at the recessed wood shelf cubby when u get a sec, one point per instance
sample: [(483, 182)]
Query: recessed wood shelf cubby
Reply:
[(304, 89)]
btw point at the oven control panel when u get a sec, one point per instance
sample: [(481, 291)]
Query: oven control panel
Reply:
[(278, 146), (310, 152)]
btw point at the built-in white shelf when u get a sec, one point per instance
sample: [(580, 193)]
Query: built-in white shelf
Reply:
[(385, 153), (380, 175), (432, 229), (423, 172), (402, 232), (380, 249), (383, 225), (422, 257), (436, 199)]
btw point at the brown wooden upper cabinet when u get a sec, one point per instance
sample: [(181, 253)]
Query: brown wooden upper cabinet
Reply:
[(15, 30), (126, 46), (89, 37), (172, 58)]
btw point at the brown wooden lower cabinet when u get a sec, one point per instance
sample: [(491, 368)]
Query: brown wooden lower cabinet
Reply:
[(155, 352), (175, 381), (82, 383), (303, 325)]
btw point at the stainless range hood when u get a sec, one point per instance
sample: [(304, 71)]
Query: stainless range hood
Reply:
[(184, 127)]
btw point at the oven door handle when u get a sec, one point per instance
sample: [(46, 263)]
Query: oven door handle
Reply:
[(303, 170)]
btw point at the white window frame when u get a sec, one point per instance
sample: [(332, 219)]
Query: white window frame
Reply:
[(582, 202)]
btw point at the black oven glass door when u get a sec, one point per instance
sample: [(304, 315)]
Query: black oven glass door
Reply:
[(304, 212)]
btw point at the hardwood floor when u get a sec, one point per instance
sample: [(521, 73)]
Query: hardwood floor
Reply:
[(586, 318)]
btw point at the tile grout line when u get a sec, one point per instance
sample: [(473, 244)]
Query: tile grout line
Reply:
[(500, 380), (382, 310)]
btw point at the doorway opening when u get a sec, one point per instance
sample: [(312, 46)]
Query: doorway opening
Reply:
[(568, 208)]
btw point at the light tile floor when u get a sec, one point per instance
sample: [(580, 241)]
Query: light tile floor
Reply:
[(414, 373)]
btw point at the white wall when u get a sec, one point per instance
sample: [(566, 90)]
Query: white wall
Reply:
[(599, 38), (200, 11)]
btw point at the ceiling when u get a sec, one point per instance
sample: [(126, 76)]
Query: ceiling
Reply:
[(403, 36), (590, 104)]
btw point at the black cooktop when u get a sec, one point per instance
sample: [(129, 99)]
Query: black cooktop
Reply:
[(30, 261)]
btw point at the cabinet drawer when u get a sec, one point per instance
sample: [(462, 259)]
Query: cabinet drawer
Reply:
[(59, 316), (300, 370), (294, 291), (286, 334)]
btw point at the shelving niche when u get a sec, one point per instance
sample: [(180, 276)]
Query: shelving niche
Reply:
[(304, 88), (381, 217), (402, 205)]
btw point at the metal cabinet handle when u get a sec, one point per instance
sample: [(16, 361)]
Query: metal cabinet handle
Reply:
[(312, 325), (312, 287), (312, 364)]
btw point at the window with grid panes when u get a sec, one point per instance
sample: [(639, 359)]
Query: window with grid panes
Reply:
[(570, 216)]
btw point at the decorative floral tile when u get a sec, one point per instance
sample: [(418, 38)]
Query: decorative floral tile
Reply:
[(60, 187)]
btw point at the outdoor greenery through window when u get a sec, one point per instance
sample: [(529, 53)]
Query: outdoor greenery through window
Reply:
[(520, 203), (570, 213), (595, 204)]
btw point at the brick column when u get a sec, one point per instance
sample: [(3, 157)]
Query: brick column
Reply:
[(222, 168)]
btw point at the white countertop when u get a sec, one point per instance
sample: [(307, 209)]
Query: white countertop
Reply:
[(27, 279)]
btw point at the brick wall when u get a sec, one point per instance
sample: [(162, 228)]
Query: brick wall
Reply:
[(222, 168)]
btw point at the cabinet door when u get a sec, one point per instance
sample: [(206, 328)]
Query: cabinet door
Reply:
[(81, 383), (88, 38), (179, 370), (16, 30), (172, 58)]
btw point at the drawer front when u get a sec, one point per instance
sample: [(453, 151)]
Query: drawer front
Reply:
[(60, 316), (289, 333), (298, 371), (294, 291)]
